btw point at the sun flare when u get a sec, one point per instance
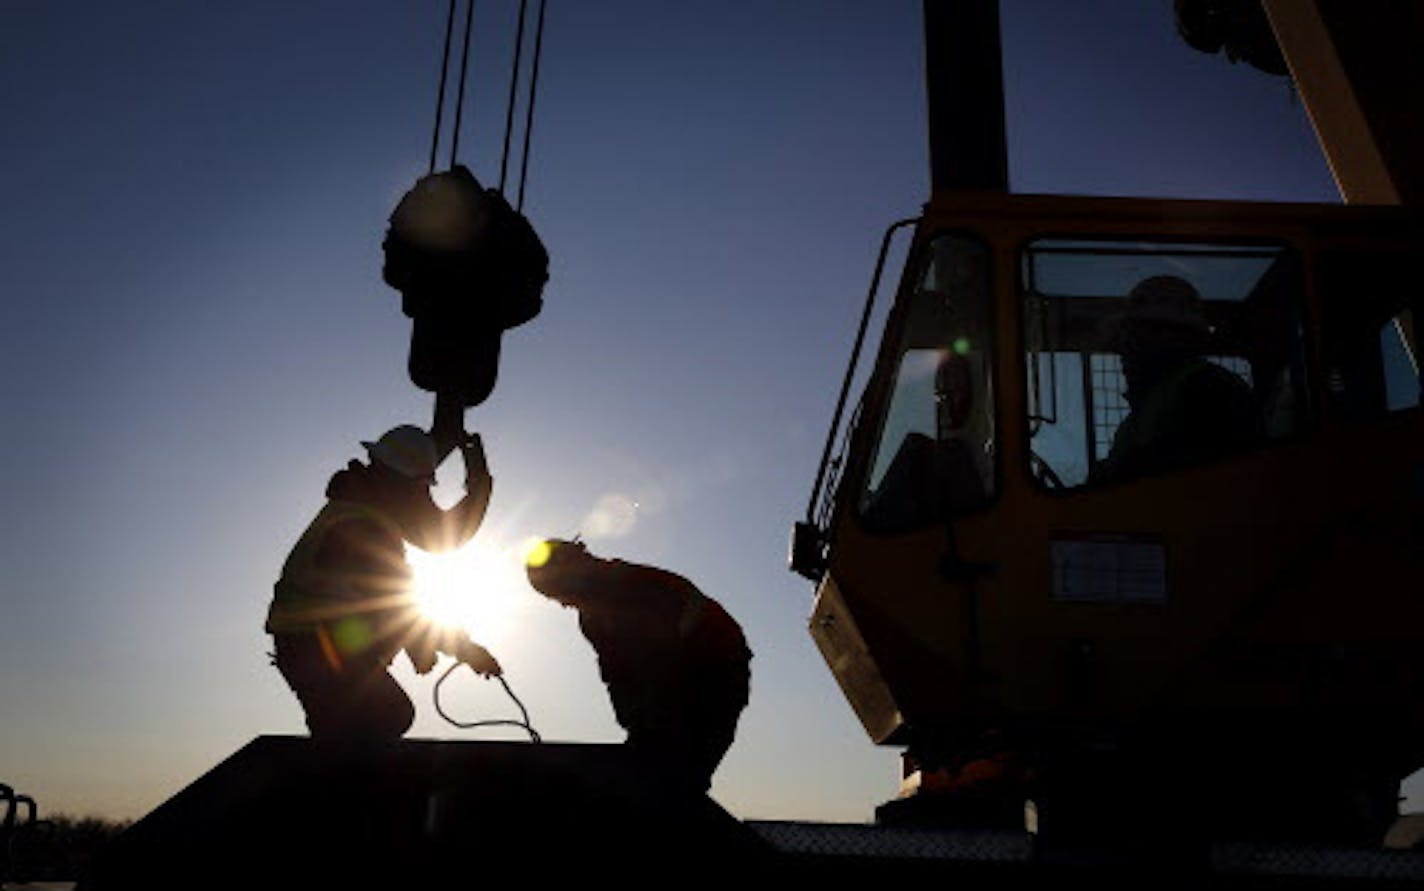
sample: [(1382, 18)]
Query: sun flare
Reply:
[(477, 588)]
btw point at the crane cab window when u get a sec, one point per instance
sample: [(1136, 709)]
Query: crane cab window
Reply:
[(1146, 357), (934, 452)]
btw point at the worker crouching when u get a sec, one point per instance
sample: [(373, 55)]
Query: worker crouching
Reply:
[(676, 665), (344, 606)]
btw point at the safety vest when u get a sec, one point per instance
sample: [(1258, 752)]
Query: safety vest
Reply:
[(1199, 412), (340, 603)]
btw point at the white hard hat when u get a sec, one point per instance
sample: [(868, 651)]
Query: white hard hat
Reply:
[(407, 450)]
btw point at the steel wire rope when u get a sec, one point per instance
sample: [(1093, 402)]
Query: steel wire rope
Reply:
[(440, 94), (529, 109), (513, 93), (523, 723), (464, 73)]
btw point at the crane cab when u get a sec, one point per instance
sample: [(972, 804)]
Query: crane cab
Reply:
[(1140, 476)]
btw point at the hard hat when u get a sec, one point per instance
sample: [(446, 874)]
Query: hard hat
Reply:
[(553, 567), (407, 450), (1160, 310), (1167, 300), (540, 552)]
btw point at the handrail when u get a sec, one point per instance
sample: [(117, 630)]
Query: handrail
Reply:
[(30, 804), (850, 368)]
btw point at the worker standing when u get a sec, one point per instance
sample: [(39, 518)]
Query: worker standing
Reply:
[(676, 665), (343, 607)]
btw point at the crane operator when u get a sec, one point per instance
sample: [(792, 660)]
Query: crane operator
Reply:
[(343, 607), (1185, 409)]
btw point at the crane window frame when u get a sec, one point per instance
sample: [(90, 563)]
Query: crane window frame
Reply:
[(1143, 357), (934, 454)]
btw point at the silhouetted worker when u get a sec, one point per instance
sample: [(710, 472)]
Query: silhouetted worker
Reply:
[(677, 667), (344, 607), (1185, 409)]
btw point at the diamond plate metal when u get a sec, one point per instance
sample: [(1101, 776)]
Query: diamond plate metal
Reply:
[(1339, 863), (1265, 861), (863, 840)]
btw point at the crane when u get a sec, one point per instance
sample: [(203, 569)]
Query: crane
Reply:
[(1131, 508)]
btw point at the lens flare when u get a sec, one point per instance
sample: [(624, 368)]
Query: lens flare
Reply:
[(613, 516), (537, 552), (477, 588)]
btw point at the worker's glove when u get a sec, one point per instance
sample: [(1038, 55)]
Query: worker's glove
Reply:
[(477, 474), (479, 659)]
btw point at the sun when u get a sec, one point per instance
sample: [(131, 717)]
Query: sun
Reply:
[(477, 588)]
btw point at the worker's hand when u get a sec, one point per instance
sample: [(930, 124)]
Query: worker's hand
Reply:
[(422, 658), (477, 474), (479, 659)]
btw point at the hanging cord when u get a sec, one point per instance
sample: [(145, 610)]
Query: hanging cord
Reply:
[(529, 111), (440, 96), (513, 93), (464, 69), (466, 725)]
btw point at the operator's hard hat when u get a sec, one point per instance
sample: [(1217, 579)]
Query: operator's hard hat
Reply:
[(1167, 300), (407, 450), (1160, 310)]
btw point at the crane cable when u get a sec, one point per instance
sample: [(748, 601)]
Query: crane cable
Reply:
[(440, 95), (529, 110), (464, 77), (513, 92), (523, 723)]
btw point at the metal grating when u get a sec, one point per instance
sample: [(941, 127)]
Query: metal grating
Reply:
[(1267, 861), (863, 840), (1109, 400), (1335, 863)]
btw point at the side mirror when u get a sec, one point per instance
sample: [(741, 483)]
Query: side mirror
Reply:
[(808, 551)]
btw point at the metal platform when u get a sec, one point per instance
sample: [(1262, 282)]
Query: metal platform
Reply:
[(291, 812), (843, 855)]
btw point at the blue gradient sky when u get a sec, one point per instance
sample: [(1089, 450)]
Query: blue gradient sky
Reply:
[(196, 334)]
